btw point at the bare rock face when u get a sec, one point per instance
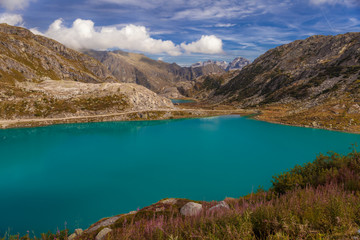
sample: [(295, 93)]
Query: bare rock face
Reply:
[(26, 56), (191, 209)]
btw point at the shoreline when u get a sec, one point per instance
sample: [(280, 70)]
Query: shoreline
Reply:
[(151, 115), (144, 115)]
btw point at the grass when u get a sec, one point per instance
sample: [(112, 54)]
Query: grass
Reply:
[(318, 200)]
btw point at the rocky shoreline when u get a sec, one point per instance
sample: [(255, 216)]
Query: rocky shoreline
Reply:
[(145, 115), (176, 206)]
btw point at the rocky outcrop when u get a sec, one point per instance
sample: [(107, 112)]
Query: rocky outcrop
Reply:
[(221, 206), (76, 234), (102, 234), (191, 209)]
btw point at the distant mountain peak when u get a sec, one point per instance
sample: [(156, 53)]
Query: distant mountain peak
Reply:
[(237, 63)]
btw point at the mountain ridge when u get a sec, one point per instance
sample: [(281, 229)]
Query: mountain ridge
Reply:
[(237, 64), (40, 77), (158, 76)]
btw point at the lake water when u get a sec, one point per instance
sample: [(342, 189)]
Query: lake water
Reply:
[(80, 173), (181, 100)]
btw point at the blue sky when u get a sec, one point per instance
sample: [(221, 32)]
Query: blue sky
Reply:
[(183, 31)]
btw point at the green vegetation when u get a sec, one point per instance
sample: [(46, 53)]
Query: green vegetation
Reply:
[(318, 200), (45, 106)]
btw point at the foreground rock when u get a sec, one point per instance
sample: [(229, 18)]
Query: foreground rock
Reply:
[(191, 209), (221, 206), (77, 233), (102, 234)]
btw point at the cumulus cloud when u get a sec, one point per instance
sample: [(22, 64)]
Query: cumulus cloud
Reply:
[(11, 19), (207, 44), (14, 4), (83, 34)]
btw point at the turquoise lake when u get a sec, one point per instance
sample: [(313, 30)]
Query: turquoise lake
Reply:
[(181, 100), (79, 173)]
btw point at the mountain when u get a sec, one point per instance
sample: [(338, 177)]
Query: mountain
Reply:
[(158, 76), (237, 64), (41, 78), (221, 64), (314, 82)]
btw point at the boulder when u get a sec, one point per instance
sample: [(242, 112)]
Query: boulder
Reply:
[(354, 109), (220, 206), (102, 234), (102, 223), (191, 209), (72, 236), (77, 233)]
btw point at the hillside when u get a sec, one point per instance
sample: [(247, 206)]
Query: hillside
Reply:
[(41, 78), (158, 76), (313, 82)]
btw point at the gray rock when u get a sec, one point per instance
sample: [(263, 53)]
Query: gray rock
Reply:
[(72, 236), (78, 231), (354, 109), (170, 201), (191, 209), (104, 223), (220, 206), (102, 234)]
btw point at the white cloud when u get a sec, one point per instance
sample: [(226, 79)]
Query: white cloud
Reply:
[(36, 31), (11, 19), (333, 2), (207, 44), (225, 25), (83, 34), (14, 4)]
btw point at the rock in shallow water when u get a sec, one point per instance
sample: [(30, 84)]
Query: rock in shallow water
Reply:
[(191, 209)]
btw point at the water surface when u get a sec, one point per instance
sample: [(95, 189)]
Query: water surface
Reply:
[(181, 100), (79, 173)]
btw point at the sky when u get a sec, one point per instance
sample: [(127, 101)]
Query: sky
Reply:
[(183, 31)]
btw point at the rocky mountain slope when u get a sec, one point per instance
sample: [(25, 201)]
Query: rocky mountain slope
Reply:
[(158, 76), (32, 70), (303, 70), (313, 82)]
